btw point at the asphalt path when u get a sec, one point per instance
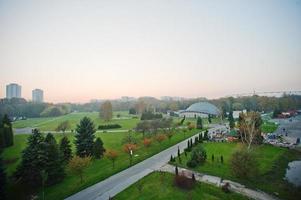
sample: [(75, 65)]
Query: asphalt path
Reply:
[(120, 181)]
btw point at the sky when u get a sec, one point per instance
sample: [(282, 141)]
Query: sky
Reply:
[(80, 50)]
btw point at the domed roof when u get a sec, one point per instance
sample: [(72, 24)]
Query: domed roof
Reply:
[(203, 107)]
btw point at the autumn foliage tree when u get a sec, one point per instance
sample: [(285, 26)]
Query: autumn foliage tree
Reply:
[(160, 138), (129, 149), (112, 155), (147, 142), (77, 165), (106, 111)]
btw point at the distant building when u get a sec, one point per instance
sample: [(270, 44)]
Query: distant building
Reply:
[(37, 95), (200, 109), (13, 90)]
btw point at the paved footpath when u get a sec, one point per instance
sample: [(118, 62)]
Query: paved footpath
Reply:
[(120, 181), (217, 181)]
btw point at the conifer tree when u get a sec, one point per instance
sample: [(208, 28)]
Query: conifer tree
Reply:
[(65, 150), (2, 180), (54, 165), (99, 150), (33, 160), (84, 138)]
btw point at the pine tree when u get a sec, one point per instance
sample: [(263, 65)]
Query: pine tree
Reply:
[(99, 150), (179, 154), (193, 177), (54, 165), (2, 180), (65, 150), (231, 120), (199, 123), (176, 170), (6, 132), (188, 144), (33, 160), (84, 141), (171, 158)]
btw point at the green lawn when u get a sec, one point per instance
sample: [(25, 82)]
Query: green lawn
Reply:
[(272, 162), (50, 123), (160, 186), (99, 169), (268, 127)]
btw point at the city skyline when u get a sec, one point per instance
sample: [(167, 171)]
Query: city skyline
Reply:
[(103, 50)]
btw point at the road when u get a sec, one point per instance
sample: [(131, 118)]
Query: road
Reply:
[(120, 181)]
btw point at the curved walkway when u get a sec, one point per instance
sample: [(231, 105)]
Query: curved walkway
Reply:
[(120, 181), (217, 181)]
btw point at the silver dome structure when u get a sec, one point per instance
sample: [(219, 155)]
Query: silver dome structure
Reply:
[(202, 109)]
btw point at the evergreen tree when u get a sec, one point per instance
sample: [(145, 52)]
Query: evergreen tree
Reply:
[(199, 123), (193, 177), (6, 132), (99, 150), (206, 135), (231, 120), (179, 152), (176, 170), (54, 165), (188, 144), (33, 160), (2, 180), (65, 150), (84, 141), (171, 158), (209, 119)]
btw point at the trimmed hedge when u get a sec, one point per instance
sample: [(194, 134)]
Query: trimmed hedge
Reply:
[(108, 126)]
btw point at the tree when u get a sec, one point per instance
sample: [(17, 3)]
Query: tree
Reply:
[(54, 165), (63, 126), (129, 149), (198, 156), (106, 112), (199, 123), (98, 148), (132, 111), (160, 138), (222, 159), (143, 126), (206, 137), (231, 120), (6, 132), (176, 170), (77, 165), (44, 177), (209, 119), (84, 138), (147, 142), (179, 153), (249, 128), (244, 164), (2, 180), (33, 160), (112, 155), (212, 158), (65, 149), (169, 135)]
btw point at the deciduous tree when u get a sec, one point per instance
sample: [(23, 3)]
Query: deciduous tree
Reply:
[(77, 165), (112, 155), (106, 111)]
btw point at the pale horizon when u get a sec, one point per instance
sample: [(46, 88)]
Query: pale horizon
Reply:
[(76, 51)]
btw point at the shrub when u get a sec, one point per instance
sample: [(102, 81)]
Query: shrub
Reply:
[(191, 163), (244, 164), (184, 182), (108, 126), (225, 187)]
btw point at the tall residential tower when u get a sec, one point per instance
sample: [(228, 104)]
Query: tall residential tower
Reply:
[(37, 96), (13, 90)]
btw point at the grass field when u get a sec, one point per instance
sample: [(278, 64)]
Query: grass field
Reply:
[(268, 127), (160, 186), (272, 162), (126, 121), (99, 169), (50, 123)]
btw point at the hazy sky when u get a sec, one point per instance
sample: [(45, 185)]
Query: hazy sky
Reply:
[(79, 50)]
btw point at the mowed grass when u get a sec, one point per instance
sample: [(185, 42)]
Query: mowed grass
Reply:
[(271, 161), (99, 169), (160, 186), (50, 123), (268, 127)]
